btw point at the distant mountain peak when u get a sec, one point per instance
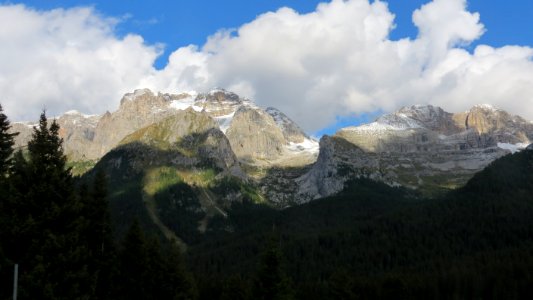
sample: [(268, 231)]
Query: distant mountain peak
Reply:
[(485, 106)]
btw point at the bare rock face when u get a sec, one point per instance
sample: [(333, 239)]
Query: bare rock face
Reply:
[(421, 147), (290, 130), (24, 130), (77, 131), (193, 134), (137, 110), (257, 136), (173, 129), (254, 134)]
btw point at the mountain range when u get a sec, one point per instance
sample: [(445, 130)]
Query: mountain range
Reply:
[(420, 203), (219, 148)]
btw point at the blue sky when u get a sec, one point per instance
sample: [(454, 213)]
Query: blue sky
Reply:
[(180, 23), (177, 24)]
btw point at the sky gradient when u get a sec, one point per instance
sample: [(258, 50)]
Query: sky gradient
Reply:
[(355, 59)]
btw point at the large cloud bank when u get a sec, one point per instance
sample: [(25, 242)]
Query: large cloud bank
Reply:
[(335, 61)]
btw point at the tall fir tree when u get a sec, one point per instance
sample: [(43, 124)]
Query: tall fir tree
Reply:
[(148, 272), (46, 238), (134, 281), (6, 151), (6, 144), (271, 282), (97, 234)]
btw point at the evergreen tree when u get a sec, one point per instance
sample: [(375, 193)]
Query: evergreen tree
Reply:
[(147, 272), (46, 226), (98, 235), (176, 283), (133, 265), (6, 145), (235, 288), (271, 282), (6, 151)]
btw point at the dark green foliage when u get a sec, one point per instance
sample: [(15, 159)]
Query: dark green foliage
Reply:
[(134, 265), (6, 198), (377, 242), (6, 144), (62, 237), (96, 235), (235, 288), (146, 273), (180, 211), (271, 282), (44, 221)]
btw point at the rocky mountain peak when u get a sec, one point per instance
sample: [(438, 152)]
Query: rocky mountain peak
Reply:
[(418, 146), (486, 119), (136, 95), (418, 116), (292, 132), (219, 95)]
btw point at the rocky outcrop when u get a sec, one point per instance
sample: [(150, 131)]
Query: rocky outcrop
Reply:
[(194, 135), (257, 136), (76, 129), (421, 147), (254, 135), (137, 110), (291, 131)]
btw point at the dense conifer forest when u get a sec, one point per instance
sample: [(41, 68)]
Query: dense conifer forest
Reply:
[(371, 241)]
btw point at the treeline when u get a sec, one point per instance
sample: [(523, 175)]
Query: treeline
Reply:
[(58, 232)]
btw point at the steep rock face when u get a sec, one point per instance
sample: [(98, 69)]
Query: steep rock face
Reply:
[(25, 130), (420, 146), (137, 110), (266, 139), (76, 129), (78, 132), (254, 134), (322, 179), (499, 126), (193, 134), (173, 129), (291, 131)]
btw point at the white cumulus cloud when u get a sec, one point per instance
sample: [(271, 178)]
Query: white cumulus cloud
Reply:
[(65, 59), (337, 60)]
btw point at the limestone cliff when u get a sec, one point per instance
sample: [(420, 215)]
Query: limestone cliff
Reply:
[(421, 147), (257, 136)]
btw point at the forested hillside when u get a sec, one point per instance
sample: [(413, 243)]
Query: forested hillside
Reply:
[(374, 241)]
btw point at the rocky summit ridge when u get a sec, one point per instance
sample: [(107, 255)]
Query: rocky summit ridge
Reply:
[(254, 134), (420, 146)]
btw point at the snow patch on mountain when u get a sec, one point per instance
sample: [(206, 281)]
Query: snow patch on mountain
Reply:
[(77, 113), (308, 145), (374, 126), (488, 107), (224, 122), (399, 121), (278, 116), (513, 147), (183, 104)]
